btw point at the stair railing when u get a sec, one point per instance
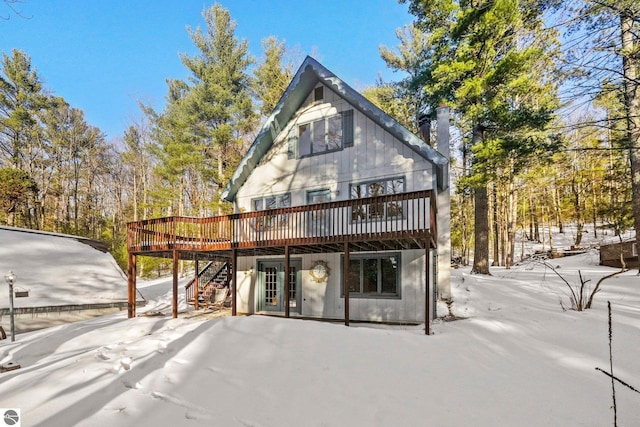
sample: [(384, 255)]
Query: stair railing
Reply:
[(207, 275)]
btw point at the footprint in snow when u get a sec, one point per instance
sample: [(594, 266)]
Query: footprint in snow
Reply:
[(125, 362), (100, 355), (136, 386)]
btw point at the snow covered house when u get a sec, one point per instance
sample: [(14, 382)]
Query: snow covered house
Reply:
[(337, 194)]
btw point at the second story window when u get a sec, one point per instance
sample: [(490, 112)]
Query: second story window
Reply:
[(271, 202), (328, 134), (377, 210)]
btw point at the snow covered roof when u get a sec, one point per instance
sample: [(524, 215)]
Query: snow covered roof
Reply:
[(310, 73), (59, 269)]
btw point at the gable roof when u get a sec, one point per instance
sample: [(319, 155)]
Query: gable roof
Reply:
[(310, 73)]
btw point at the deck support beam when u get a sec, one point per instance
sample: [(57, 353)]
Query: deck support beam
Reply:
[(287, 281), (234, 282), (196, 283), (174, 299), (427, 289), (345, 283), (131, 286)]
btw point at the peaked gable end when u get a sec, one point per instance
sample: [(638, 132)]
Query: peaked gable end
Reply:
[(303, 83)]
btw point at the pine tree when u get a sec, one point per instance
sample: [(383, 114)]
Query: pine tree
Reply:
[(272, 75), (21, 99), (392, 100), (489, 59), (201, 130)]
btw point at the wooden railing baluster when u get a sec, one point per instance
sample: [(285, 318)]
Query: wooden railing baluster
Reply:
[(386, 217)]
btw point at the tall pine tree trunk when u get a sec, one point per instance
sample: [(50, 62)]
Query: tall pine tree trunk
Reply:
[(577, 205), (496, 225), (594, 211), (512, 220), (632, 110), (556, 208), (481, 223), (481, 218)]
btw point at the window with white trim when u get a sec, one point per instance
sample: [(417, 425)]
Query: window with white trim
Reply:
[(377, 188), (325, 135), (271, 202), (374, 275)]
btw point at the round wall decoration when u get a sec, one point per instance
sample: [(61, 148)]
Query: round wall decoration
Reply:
[(319, 271)]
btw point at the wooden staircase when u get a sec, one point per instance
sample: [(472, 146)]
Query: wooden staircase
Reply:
[(214, 275)]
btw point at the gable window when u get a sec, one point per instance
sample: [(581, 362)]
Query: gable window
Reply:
[(325, 135), (270, 222), (377, 210), (318, 93), (374, 275)]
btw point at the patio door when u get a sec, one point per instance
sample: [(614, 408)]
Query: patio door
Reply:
[(271, 286)]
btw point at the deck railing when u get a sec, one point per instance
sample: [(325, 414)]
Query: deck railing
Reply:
[(403, 215)]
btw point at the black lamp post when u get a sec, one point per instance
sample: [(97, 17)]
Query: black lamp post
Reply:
[(11, 279)]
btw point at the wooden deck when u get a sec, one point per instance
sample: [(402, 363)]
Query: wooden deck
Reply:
[(391, 222)]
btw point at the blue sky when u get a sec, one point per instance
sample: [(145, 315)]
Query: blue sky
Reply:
[(103, 56)]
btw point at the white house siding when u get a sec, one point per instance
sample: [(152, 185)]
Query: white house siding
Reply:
[(375, 154), (325, 300)]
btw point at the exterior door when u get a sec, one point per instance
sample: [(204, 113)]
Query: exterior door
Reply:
[(271, 285)]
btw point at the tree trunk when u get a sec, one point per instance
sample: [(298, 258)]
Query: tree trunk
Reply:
[(481, 222), (481, 217), (575, 189), (632, 111), (220, 177), (512, 213), (496, 225), (536, 221), (557, 209), (594, 211), (465, 231), (531, 215)]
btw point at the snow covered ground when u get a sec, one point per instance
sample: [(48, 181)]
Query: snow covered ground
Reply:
[(516, 359)]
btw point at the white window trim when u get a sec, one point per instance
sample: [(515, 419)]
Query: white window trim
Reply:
[(385, 180), (281, 221), (377, 295), (326, 121)]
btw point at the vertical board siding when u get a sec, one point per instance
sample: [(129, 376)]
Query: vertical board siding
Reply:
[(324, 300), (375, 154)]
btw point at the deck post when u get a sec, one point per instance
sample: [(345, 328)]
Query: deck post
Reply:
[(196, 283), (287, 282), (174, 299), (345, 283), (427, 292), (234, 282), (131, 286)]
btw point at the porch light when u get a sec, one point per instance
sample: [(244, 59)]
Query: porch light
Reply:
[(11, 279)]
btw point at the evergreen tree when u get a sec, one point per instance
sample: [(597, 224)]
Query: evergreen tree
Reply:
[(392, 100), (15, 188), (492, 62), (201, 130), (272, 75), (21, 99)]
